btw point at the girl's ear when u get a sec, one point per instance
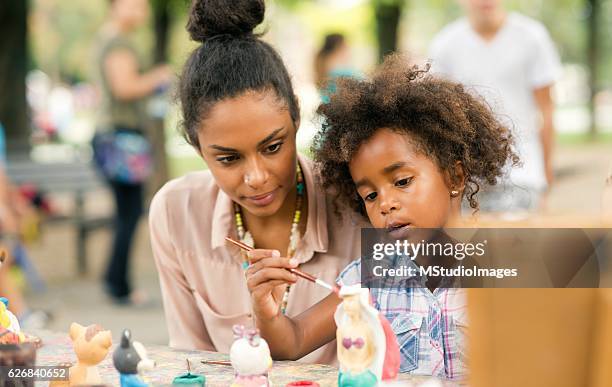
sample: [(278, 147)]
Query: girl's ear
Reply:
[(456, 180)]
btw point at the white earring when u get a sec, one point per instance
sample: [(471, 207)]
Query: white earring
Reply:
[(454, 193)]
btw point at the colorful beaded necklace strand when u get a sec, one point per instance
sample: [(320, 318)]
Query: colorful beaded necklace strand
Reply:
[(294, 238)]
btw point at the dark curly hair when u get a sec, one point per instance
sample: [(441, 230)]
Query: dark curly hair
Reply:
[(447, 122), (231, 60)]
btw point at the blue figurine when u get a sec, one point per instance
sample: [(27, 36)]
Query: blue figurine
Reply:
[(130, 359)]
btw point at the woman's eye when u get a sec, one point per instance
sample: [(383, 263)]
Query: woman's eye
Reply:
[(274, 147), (403, 182), (227, 159), (370, 197)]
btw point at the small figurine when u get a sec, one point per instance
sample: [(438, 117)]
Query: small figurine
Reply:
[(189, 379), (130, 359), (9, 321), (7, 318), (367, 347), (91, 345), (250, 357)]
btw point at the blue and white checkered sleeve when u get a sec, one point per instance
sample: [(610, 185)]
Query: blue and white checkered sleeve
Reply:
[(351, 275)]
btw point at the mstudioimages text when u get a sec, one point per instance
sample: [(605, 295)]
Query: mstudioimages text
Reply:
[(412, 250), (440, 271)]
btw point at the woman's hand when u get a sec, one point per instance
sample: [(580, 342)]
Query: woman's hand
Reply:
[(267, 277)]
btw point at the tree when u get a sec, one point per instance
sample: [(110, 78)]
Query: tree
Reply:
[(593, 56), (162, 20), (13, 69), (388, 14)]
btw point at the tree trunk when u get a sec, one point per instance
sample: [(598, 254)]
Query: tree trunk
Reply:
[(388, 15), (162, 20), (593, 56), (13, 69)]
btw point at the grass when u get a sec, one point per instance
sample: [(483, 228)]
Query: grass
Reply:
[(584, 138)]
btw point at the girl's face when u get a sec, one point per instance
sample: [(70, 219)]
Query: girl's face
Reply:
[(249, 145), (400, 187)]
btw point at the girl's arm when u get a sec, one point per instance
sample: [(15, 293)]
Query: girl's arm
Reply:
[(289, 339)]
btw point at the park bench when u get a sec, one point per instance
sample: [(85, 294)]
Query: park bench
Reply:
[(74, 178)]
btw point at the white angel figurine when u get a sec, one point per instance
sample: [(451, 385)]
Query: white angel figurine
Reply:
[(367, 347)]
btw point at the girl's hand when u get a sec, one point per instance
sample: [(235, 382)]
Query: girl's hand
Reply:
[(267, 278)]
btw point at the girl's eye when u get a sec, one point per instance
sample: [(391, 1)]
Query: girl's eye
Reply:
[(273, 148), (403, 182), (227, 159), (370, 197)]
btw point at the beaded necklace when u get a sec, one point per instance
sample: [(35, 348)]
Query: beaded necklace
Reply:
[(294, 238)]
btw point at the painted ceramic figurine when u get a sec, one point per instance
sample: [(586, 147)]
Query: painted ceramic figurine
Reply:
[(367, 347), (91, 345), (9, 323), (250, 357), (130, 359)]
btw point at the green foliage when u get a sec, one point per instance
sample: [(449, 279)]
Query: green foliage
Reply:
[(62, 33)]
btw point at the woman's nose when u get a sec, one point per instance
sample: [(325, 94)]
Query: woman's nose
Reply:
[(256, 175)]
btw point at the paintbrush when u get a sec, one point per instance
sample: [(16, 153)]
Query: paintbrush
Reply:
[(297, 272), (217, 362)]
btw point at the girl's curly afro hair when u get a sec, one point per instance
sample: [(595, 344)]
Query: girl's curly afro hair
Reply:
[(447, 122)]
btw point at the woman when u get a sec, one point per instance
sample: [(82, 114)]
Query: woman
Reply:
[(124, 89), (240, 113)]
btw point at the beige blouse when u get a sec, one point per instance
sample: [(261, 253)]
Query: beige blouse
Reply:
[(202, 281)]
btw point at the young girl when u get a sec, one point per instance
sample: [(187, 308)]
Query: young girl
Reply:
[(403, 149), (241, 115)]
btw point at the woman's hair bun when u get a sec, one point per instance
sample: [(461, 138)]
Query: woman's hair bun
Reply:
[(208, 18)]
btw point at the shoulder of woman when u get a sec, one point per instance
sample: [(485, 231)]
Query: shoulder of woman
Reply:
[(193, 188)]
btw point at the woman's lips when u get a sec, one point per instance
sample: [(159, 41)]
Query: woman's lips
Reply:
[(263, 199)]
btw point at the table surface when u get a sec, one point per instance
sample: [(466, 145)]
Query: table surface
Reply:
[(57, 349)]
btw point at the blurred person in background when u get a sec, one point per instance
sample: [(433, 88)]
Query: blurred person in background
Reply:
[(333, 60), (512, 62), (12, 208), (125, 88)]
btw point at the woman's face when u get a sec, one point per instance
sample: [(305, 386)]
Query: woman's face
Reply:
[(400, 187), (249, 145)]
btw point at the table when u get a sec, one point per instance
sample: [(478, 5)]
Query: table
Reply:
[(57, 348)]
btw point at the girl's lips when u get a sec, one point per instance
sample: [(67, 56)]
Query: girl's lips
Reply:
[(262, 200), (399, 232)]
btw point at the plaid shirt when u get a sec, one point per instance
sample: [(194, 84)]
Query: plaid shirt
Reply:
[(430, 327)]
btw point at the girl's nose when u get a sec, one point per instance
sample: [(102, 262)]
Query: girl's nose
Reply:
[(388, 204)]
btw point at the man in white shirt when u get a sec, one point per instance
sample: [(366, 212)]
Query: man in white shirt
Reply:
[(512, 62)]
